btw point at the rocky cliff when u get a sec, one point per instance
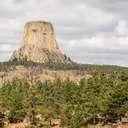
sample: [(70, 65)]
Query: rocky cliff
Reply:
[(39, 44), (38, 74)]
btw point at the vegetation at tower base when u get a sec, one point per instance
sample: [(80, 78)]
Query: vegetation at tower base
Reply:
[(90, 68), (103, 98)]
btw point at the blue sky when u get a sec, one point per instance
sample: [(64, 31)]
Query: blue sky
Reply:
[(89, 31)]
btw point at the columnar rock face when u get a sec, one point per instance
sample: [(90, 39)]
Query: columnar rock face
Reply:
[(39, 44)]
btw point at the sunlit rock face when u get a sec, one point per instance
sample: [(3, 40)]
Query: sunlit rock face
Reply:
[(39, 44)]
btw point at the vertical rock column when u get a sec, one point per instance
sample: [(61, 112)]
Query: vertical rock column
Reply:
[(39, 44)]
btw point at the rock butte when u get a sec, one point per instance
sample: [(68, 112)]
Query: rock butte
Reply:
[(39, 44)]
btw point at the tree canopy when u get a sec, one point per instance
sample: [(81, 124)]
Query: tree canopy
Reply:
[(102, 98)]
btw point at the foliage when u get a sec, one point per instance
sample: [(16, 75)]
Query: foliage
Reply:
[(10, 65), (102, 98)]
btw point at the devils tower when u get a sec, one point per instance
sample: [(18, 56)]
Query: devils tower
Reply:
[(39, 44)]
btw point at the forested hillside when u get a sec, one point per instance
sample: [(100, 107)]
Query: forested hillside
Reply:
[(103, 98)]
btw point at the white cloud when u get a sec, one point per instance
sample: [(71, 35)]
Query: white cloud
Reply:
[(7, 48), (122, 28), (90, 31), (102, 48), (100, 42)]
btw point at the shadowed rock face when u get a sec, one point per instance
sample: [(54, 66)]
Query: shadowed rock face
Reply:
[(39, 44)]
